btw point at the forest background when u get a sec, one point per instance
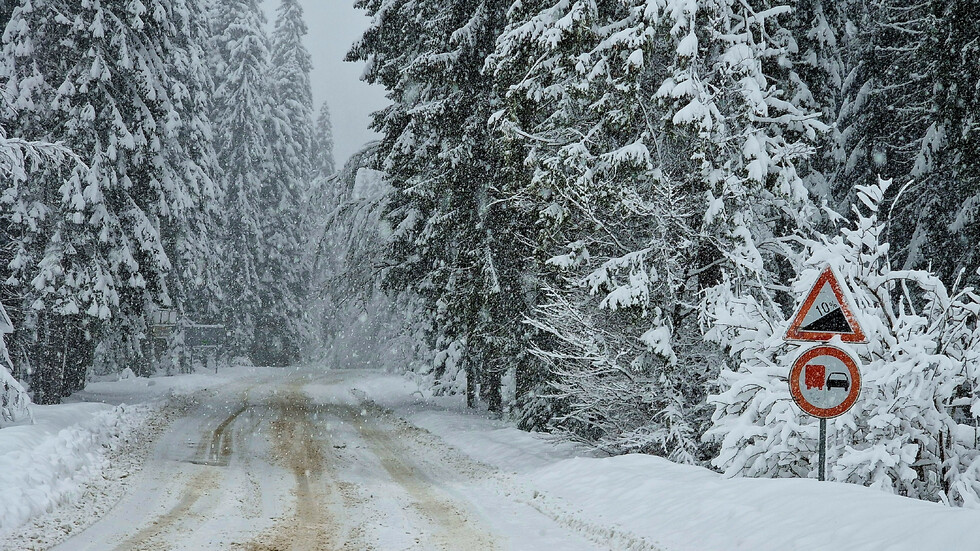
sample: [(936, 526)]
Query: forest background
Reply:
[(591, 217)]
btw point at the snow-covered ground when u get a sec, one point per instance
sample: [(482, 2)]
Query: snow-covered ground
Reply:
[(277, 459), (78, 459), (49, 462), (646, 502)]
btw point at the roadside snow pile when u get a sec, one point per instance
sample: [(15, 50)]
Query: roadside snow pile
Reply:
[(679, 507), (643, 502), (48, 463)]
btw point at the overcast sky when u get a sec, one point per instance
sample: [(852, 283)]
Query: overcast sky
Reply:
[(334, 26)]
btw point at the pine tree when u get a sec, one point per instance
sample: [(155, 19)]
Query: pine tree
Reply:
[(107, 254), (819, 30), (291, 66), (241, 108), (664, 153), (360, 323), (907, 114), (455, 243), (324, 163), (282, 325), (941, 210), (194, 243)]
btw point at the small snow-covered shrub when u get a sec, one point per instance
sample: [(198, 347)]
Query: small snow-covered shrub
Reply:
[(126, 373), (13, 398), (910, 432)]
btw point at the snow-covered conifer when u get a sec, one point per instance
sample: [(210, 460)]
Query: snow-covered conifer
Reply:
[(119, 218), (817, 32), (455, 244), (241, 107), (664, 143), (283, 268), (324, 163), (907, 114), (291, 66)]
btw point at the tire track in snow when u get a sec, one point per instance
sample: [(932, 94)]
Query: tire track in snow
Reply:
[(312, 526), (217, 451), (147, 538), (457, 528), (213, 451)]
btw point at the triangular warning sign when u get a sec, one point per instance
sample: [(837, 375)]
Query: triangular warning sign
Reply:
[(826, 313)]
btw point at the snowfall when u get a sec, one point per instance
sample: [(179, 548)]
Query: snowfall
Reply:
[(90, 457)]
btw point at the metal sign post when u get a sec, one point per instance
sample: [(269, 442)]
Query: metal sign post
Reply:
[(825, 381), (207, 338), (162, 326), (822, 470)]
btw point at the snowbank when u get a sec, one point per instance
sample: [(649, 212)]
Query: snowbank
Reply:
[(644, 502), (48, 463), (679, 507)]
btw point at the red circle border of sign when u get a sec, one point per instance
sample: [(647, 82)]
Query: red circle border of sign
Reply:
[(794, 381)]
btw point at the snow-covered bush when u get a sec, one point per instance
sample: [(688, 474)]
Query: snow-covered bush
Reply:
[(920, 371), (13, 398)]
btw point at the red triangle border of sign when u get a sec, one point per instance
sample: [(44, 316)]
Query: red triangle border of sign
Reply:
[(795, 334)]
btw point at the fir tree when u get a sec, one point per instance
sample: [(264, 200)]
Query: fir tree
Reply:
[(282, 325), (196, 284), (241, 108), (907, 111), (664, 153), (324, 163), (455, 243), (941, 209), (109, 249), (291, 66)]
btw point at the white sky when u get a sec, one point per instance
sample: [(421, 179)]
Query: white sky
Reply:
[(335, 25)]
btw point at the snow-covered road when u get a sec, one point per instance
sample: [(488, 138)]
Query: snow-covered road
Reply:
[(304, 459), (304, 462)]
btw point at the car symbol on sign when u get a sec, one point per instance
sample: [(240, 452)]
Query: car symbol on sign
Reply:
[(838, 380)]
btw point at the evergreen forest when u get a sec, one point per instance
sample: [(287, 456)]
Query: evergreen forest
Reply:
[(589, 217)]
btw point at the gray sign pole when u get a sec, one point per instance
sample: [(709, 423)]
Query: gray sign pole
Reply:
[(822, 472)]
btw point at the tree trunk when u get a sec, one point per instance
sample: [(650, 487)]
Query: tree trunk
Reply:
[(470, 385), (490, 390), (78, 355), (47, 381)]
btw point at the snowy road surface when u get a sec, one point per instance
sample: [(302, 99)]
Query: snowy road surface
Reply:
[(303, 462), (268, 459)]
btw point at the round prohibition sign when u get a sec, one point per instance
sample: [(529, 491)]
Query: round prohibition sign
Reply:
[(825, 381)]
